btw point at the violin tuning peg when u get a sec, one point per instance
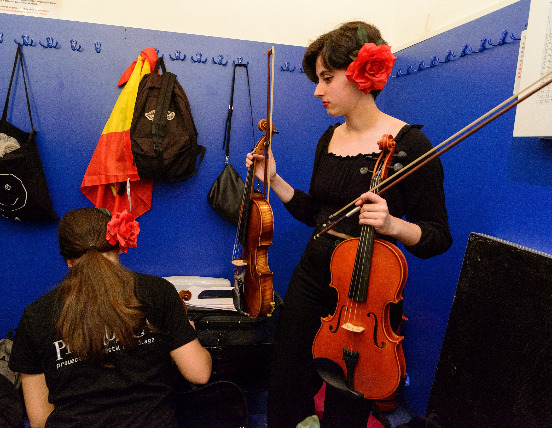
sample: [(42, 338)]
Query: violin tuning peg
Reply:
[(400, 155), (396, 167)]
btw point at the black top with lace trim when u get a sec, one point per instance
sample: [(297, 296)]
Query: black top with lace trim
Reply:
[(337, 180)]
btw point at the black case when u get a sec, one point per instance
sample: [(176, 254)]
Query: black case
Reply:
[(241, 347)]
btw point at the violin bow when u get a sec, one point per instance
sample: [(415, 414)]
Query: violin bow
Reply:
[(416, 164), (269, 111)]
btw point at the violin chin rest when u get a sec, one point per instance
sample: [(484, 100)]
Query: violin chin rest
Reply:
[(333, 375)]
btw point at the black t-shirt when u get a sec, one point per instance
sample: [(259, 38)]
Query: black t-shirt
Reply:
[(135, 392), (338, 180)]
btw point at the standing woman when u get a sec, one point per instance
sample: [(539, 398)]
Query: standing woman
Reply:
[(350, 66), (98, 350)]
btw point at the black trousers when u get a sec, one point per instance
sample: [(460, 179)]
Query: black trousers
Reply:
[(293, 378)]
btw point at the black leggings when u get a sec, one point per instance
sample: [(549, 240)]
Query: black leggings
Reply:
[(293, 378)]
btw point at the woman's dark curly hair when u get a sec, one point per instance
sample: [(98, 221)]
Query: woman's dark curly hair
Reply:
[(336, 46)]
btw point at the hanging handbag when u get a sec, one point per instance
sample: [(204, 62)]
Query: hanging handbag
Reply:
[(226, 193), (24, 192)]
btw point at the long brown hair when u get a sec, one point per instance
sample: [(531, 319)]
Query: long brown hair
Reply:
[(98, 296), (336, 47)]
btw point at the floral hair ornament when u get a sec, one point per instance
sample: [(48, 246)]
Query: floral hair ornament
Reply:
[(371, 65), (123, 229)]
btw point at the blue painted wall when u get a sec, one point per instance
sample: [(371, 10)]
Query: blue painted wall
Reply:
[(495, 184)]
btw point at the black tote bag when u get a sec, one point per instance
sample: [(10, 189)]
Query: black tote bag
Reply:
[(24, 192), (226, 193)]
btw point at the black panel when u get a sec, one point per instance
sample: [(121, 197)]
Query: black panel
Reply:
[(495, 367)]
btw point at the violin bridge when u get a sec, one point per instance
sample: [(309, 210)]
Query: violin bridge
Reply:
[(352, 328), (239, 262)]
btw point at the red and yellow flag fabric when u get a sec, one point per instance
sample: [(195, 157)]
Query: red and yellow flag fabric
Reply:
[(111, 167)]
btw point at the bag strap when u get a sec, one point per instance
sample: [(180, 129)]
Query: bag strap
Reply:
[(228, 125), (159, 63), (162, 108), (18, 55)]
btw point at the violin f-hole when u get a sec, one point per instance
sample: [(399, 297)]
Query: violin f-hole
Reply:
[(331, 327), (369, 314)]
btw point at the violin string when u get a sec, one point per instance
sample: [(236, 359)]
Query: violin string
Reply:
[(416, 164), (359, 270)]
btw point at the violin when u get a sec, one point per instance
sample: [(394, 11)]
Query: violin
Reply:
[(252, 276), (356, 349)]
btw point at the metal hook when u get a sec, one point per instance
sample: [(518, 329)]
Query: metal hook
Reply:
[(1, 37), (422, 66), (240, 61), (483, 46), (74, 47), (448, 57), (503, 40), (286, 67), (435, 61), (157, 50), (466, 50), (25, 41), (220, 61), (177, 56), (49, 43), (301, 70), (399, 73), (199, 56), (98, 47)]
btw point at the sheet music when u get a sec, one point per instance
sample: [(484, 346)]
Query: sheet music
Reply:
[(544, 96), (534, 61)]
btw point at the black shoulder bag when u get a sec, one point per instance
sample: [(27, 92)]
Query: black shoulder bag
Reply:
[(24, 192), (226, 193)]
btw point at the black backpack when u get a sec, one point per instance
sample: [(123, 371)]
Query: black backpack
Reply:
[(162, 133)]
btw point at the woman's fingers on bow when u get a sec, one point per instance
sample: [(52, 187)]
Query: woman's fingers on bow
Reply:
[(373, 211)]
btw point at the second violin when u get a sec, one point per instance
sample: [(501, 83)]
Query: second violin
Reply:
[(252, 276)]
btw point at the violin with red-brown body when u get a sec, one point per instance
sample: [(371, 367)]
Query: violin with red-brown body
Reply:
[(252, 276), (369, 275)]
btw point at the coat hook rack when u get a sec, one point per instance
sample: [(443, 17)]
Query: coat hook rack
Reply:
[(220, 61), (198, 58), (178, 56), (75, 46), (25, 41), (486, 44), (286, 66), (49, 43), (239, 61), (466, 50), (502, 41)]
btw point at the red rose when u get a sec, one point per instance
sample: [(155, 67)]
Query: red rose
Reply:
[(372, 67), (122, 229)]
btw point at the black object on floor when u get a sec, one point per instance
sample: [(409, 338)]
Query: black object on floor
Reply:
[(495, 366)]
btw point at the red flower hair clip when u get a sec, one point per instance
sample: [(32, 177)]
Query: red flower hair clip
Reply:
[(372, 65), (123, 229)]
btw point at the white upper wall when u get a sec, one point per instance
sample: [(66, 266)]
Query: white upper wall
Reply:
[(289, 22)]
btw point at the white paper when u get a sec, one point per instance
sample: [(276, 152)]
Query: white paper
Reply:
[(196, 284)]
